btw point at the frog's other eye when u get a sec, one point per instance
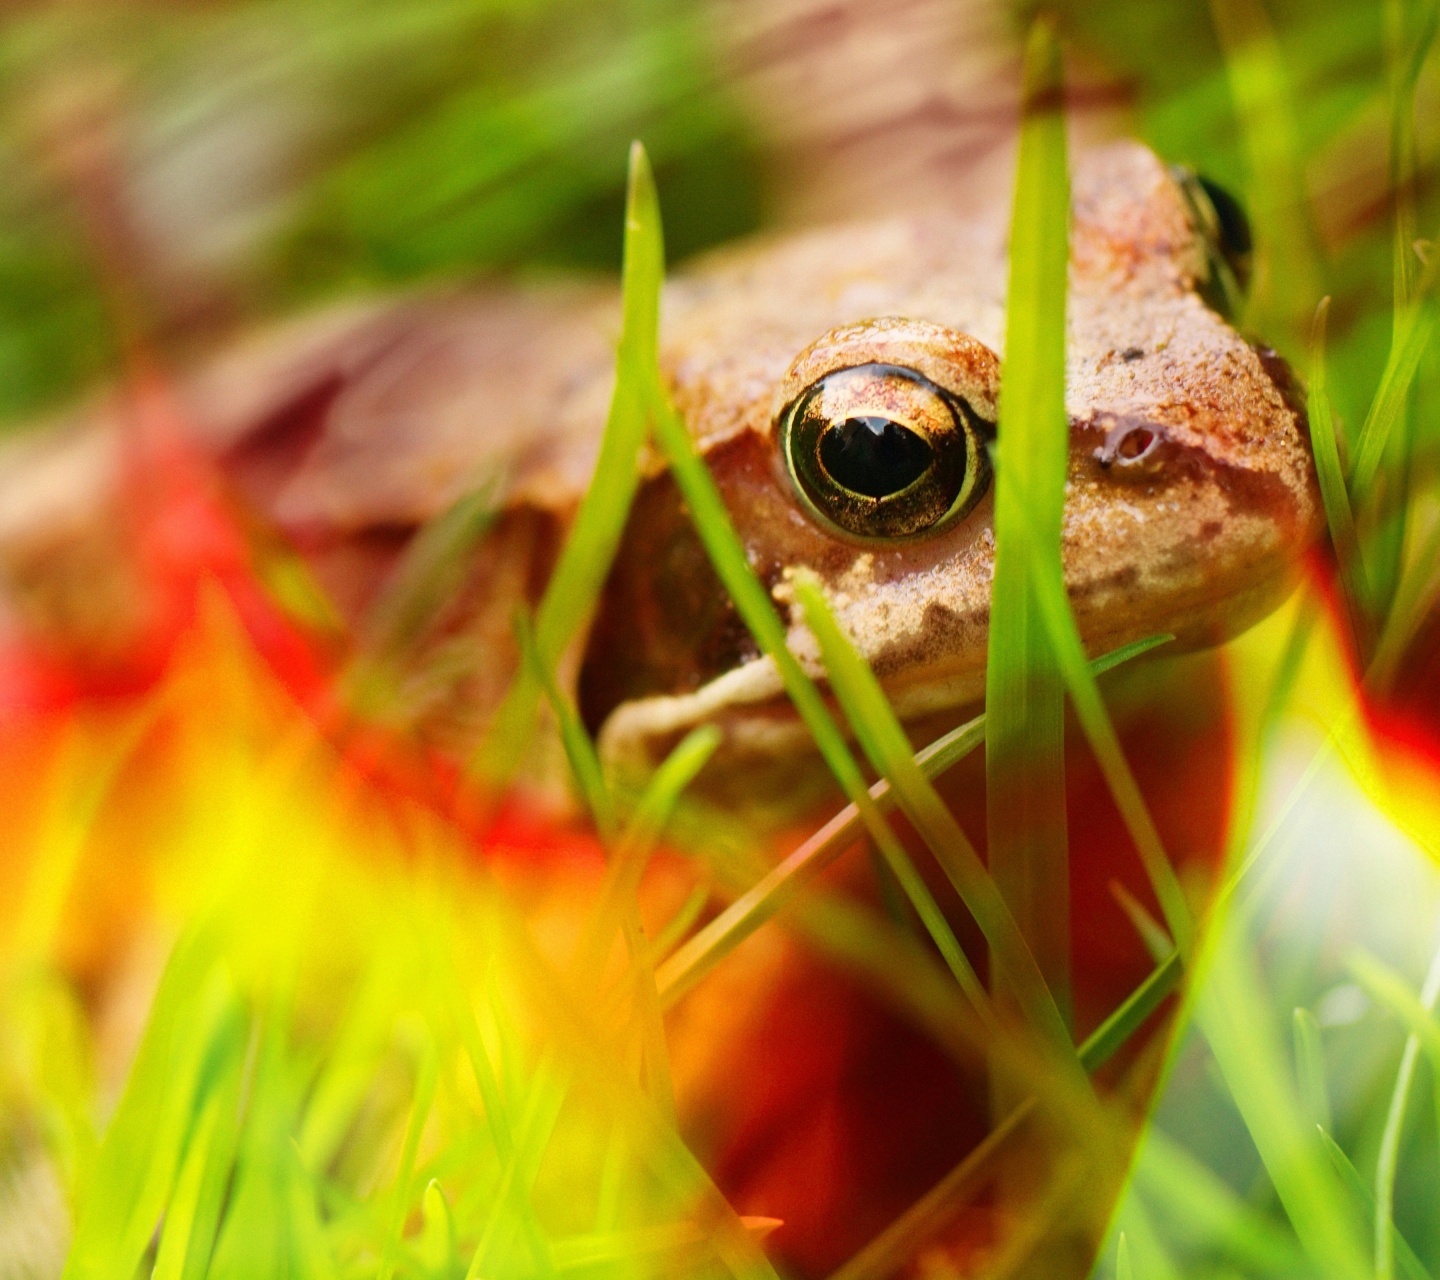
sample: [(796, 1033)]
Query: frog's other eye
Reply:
[(882, 452), (1233, 237), (1229, 246)]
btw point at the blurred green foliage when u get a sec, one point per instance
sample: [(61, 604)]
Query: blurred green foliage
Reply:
[(217, 162), (1330, 68)]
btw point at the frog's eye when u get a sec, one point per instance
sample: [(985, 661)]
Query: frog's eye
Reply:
[(1229, 245), (882, 452)]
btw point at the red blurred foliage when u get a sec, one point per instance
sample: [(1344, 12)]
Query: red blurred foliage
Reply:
[(812, 1100), (182, 538)]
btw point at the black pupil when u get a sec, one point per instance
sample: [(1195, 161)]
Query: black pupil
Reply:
[(874, 456)]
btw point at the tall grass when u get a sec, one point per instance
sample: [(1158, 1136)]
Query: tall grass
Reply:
[(1315, 1189), (590, 546), (1024, 690)]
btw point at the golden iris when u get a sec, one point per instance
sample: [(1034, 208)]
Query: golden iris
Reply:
[(882, 452)]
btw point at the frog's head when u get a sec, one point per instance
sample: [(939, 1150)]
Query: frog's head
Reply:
[(861, 452)]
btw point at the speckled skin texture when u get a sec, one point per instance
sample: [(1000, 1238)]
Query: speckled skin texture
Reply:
[(1196, 535), (1190, 491)]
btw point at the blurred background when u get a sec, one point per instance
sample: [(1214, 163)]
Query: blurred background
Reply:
[(185, 169)]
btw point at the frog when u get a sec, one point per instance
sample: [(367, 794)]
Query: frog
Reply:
[(842, 383)]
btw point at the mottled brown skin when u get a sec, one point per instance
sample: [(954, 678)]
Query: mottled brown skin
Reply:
[(1190, 496), (1190, 493)]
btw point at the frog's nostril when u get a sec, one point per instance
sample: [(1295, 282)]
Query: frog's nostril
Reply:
[(1135, 444), (1129, 444)]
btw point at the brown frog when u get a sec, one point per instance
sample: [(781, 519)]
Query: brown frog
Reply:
[(841, 384)]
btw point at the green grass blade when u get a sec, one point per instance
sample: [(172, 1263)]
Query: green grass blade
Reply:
[(1414, 599), (1205, 1207), (1310, 1067), (662, 792), (668, 937), (1408, 1260), (1414, 328), (49, 1042), (1112, 1034), (1391, 990), (140, 1155), (437, 1232), (1388, 1160), (220, 1165), (430, 571), (642, 832), (779, 886), (585, 767), (1333, 492), (590, 547), (1151, 932), (889, 1250), (1122, 1260), (404, 1192), (1024, 693), (1059, 622), (548, 1090), (885, 743), (176, 1232), (727, 555), (355, 1054), (1149, 1248), (1235, 1015), (1285, 287), (313, 1255), (461, 1015), (256, 1237), (1405, 53)]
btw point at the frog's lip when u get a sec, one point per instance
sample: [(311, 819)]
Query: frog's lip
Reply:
[(748, 702)]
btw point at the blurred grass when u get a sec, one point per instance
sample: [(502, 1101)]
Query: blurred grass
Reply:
[(593, 537), (237, 158), (386, 1050), (1373, 429)]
